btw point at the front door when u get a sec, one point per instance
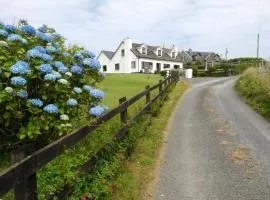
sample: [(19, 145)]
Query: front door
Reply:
[(158, 67)]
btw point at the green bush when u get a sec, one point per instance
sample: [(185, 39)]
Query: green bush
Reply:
[(42, 87)]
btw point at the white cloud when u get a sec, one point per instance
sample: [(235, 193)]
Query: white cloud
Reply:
[(207, 25)]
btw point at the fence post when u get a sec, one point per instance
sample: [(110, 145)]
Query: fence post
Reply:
[(27, 188), (123, 113), (160, 86), (147, 94)]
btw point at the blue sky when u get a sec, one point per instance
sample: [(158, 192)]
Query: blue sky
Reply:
[(206, 25)]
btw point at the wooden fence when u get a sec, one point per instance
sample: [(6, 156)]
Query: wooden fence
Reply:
[(22, 175)]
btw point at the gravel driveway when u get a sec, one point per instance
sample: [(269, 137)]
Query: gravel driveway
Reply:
[(217, 148)]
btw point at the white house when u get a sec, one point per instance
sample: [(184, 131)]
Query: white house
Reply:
[(131, 57)]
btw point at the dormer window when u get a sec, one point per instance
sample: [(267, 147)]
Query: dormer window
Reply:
[(173, 54), (159, 52), (143, 50)]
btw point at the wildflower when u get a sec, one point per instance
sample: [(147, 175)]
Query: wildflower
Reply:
[(30, 30), (92, 63), (9, 90), (64, 117), (68, 74), (63, 81), (88, 88), (44, 37), (43, 29), (98, 94), (78, 56), (45, 68), (97, 110), (3, 33), (76, 70), (36, 102), (51, 109), (15, 37), (72, 102), (20, 67), (50, 77), (77, 90), (10, 28), (22, 93), (3, 43), (18, 81)]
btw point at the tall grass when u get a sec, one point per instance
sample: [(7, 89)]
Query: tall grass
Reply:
[(254, 86)]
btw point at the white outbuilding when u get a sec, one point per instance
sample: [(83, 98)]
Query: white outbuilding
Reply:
[(132, 57)]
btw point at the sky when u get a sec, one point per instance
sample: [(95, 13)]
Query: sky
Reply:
[(201, 25)]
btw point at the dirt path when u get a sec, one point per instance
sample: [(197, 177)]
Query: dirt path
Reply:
[(218, 148)]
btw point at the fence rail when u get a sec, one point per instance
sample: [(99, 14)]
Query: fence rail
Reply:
[(22, 175)]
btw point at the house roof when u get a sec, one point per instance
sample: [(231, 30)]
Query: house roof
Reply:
[(109, 54), (151, 53), (202, 54)]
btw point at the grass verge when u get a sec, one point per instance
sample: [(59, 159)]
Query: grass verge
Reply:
[(136, 175), (254, 87)]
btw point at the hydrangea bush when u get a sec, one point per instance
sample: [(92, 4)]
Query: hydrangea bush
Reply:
[(42, 85)]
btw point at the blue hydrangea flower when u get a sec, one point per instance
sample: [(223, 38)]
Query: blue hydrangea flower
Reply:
[(62, 70), (92, 63), (15, 37), (88, 88), (76, 70), (50, 77), (9, 90), (66, 54), (20, 67), (44, 37), (77, 90), (55, 35), (97, 111), (41, 49), (98, 94), (51, 109), (78, 56), (45, 68), (36, 102), (30, 30), (22, 93), (51, 49), (10, 28), (3, 33), (56, 74), (72, 102), (64, 117), (61, 67), (34, 53), (87, 53), (18, 81), (43, 29)]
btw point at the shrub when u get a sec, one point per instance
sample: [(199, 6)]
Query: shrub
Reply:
[(42, 85)]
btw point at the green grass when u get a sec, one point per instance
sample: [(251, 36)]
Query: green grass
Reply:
[(117, 86), (254, 87), (138, 172)]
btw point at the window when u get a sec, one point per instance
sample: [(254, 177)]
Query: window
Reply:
[(173, 54), (166, 66), (133, 64), (123, 52), (104, 68), (159, 52), (143, 50), (117, 67)]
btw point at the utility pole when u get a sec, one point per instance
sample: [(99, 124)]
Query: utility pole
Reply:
[(226, 54), (258, 45)]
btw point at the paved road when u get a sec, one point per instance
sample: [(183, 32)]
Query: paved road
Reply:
[(217, 148)]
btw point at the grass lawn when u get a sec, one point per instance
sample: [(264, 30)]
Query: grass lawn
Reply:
[(117, 86)]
